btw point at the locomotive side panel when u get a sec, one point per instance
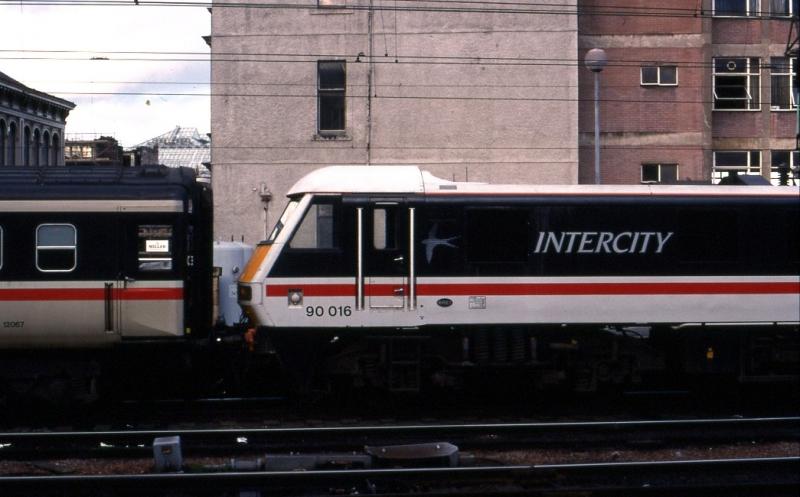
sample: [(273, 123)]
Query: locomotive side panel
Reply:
[(526, 260), (609, 261)]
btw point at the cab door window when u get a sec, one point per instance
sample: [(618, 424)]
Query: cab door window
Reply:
[(155, 247), (56, 248)]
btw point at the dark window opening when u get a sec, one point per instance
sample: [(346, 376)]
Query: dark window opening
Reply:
[(331, 82), (497, 235)]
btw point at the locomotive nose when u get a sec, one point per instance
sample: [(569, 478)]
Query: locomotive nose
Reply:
[(250, 290)]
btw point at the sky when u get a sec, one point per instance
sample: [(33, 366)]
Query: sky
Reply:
[(50, 49)]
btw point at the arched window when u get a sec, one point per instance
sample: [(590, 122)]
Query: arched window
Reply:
[(46, 148), (37, 148), (56, 150), (26, 146), (3, 151), (12, 144)]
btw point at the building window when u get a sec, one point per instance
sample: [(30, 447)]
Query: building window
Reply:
[(783, 76), (331, 94), (728, 163), (12, 145), (784, 8), (659, 76), (46, 148), (26, 146), (3, 151), (56, 248), (660, 173), (331, 4), (785, 169), (736, 83), (736, 8)]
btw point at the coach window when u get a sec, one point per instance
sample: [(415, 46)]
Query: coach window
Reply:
[(56, 248), (1, 247), (316, 229), (155, 247)]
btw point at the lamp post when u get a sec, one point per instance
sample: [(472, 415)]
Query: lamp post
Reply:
[(595, 61)]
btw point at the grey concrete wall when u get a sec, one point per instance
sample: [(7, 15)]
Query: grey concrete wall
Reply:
[(447, 91)]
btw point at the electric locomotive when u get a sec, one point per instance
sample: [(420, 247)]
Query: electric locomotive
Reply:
[(390, 277), (104, 272)]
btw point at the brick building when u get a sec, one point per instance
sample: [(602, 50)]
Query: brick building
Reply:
[(693, 91)]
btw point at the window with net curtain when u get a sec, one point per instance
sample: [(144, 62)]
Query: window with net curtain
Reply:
[(736, 7), (783, 74), (784, 7)]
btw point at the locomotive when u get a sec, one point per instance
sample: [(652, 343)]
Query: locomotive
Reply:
[(391, 277)]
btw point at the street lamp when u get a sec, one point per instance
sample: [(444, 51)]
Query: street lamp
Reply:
[(595, 61)]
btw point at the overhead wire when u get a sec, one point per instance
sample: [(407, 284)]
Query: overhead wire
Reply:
[(466, 6)]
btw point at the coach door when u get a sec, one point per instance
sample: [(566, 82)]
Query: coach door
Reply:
[(387, 258), (151, 282)]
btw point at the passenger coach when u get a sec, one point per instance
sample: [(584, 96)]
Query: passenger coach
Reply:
[(97, 257), (577, 283)]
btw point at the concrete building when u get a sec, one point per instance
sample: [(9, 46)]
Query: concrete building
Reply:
[(694, 90), (31, 125), (469, 93)]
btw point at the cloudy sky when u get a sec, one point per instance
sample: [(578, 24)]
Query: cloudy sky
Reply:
[(50, 48)]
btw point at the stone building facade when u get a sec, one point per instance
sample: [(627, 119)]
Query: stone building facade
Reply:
[(692, 92), (31, 125), (469, 93)]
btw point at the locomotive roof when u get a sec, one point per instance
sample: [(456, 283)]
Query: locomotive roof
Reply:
[(413, 180)]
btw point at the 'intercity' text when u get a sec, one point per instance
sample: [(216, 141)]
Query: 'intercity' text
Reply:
[(601, 242)]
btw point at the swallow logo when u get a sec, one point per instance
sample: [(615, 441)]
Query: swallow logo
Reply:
[(434, 241)]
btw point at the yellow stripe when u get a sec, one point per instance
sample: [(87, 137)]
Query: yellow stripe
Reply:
[(254, 264)]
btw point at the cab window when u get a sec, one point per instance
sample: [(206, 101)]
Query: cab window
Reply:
[(316, 231)]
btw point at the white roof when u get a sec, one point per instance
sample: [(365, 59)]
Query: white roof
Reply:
[(411, 179)]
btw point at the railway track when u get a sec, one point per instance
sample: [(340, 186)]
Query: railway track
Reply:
[(24, 445), (709, 478)]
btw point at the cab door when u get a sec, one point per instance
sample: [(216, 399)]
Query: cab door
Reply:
[(386, 229), (151, 283), (386, 257)]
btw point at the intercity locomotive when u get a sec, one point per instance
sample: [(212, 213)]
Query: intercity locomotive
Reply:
[(391, 277)]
